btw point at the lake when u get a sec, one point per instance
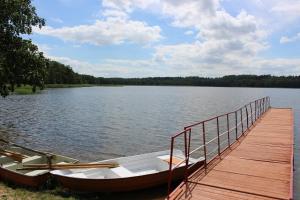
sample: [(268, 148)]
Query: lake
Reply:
[(98, 123)]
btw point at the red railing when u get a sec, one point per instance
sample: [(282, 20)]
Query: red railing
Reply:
[(215, 135)]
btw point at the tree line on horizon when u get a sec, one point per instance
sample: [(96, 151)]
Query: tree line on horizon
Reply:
[(58, 73)]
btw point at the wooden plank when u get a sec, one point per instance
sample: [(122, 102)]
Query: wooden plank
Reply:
[(262, 154), (204, 192), (280, 171), (247, 184), (263, 140)]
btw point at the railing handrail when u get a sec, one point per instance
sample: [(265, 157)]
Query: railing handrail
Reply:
[(260, 106), (212, 118)]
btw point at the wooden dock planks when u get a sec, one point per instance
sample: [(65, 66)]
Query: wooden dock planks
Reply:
[(259, 167)]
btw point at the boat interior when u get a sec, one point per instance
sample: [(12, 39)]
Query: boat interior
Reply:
[(29, 157), (131, 166)]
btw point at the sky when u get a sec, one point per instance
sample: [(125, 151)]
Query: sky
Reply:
[(146, 38)]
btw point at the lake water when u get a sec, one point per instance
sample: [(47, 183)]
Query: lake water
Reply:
[(105, 122)]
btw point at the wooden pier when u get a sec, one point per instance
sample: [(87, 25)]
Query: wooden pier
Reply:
[(259, 165)]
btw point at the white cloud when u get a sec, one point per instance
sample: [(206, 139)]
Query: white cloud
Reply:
[(189, 13), (103, 32), (189, 32), (45, 48), (185, 67), (279, 66), (57, 20), (115, 13), (115, 27), (283, 14), (290, 7), (112, 68), (224, 43), (285, 39), (129, 5)]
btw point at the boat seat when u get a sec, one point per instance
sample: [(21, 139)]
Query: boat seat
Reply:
[(175, 160), (36, 172), (31, 159), (122, 171), (8, 165)]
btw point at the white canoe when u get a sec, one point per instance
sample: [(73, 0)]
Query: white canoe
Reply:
[(133, 173)]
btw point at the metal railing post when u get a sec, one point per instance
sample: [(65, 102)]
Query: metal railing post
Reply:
[(262, 106), (186, 156), (242, 121), (247, 117), (255, 104), (264, 110), (228, 129), (204, 145), (218, 132), (236, 128), (265, 107), (170, 167), (251, 113), (189, 144), (259, 108)]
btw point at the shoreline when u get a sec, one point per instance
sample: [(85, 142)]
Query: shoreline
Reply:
[(27, 90)]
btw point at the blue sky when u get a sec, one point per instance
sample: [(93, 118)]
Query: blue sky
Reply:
[(142, 38)]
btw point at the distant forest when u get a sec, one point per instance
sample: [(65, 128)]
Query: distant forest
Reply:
[(58, 73)]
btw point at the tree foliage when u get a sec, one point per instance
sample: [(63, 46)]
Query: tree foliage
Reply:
[(20, 60)]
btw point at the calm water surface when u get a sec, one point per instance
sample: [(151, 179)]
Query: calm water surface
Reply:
[(105, 122)]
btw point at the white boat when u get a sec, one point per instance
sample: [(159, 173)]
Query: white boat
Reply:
[(132, 173)]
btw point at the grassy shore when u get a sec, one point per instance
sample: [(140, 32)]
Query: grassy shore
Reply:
[(9, 192), (68, 85), (26, 89)]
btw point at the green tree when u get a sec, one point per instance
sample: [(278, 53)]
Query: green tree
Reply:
[(20, 60)]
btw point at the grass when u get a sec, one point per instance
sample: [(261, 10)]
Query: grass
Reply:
[(68, 85), (78, 85), (10, 192), (25, 90)]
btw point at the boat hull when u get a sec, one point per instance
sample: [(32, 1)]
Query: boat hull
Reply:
[(28, 178), (122, 184), (20, 179)]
